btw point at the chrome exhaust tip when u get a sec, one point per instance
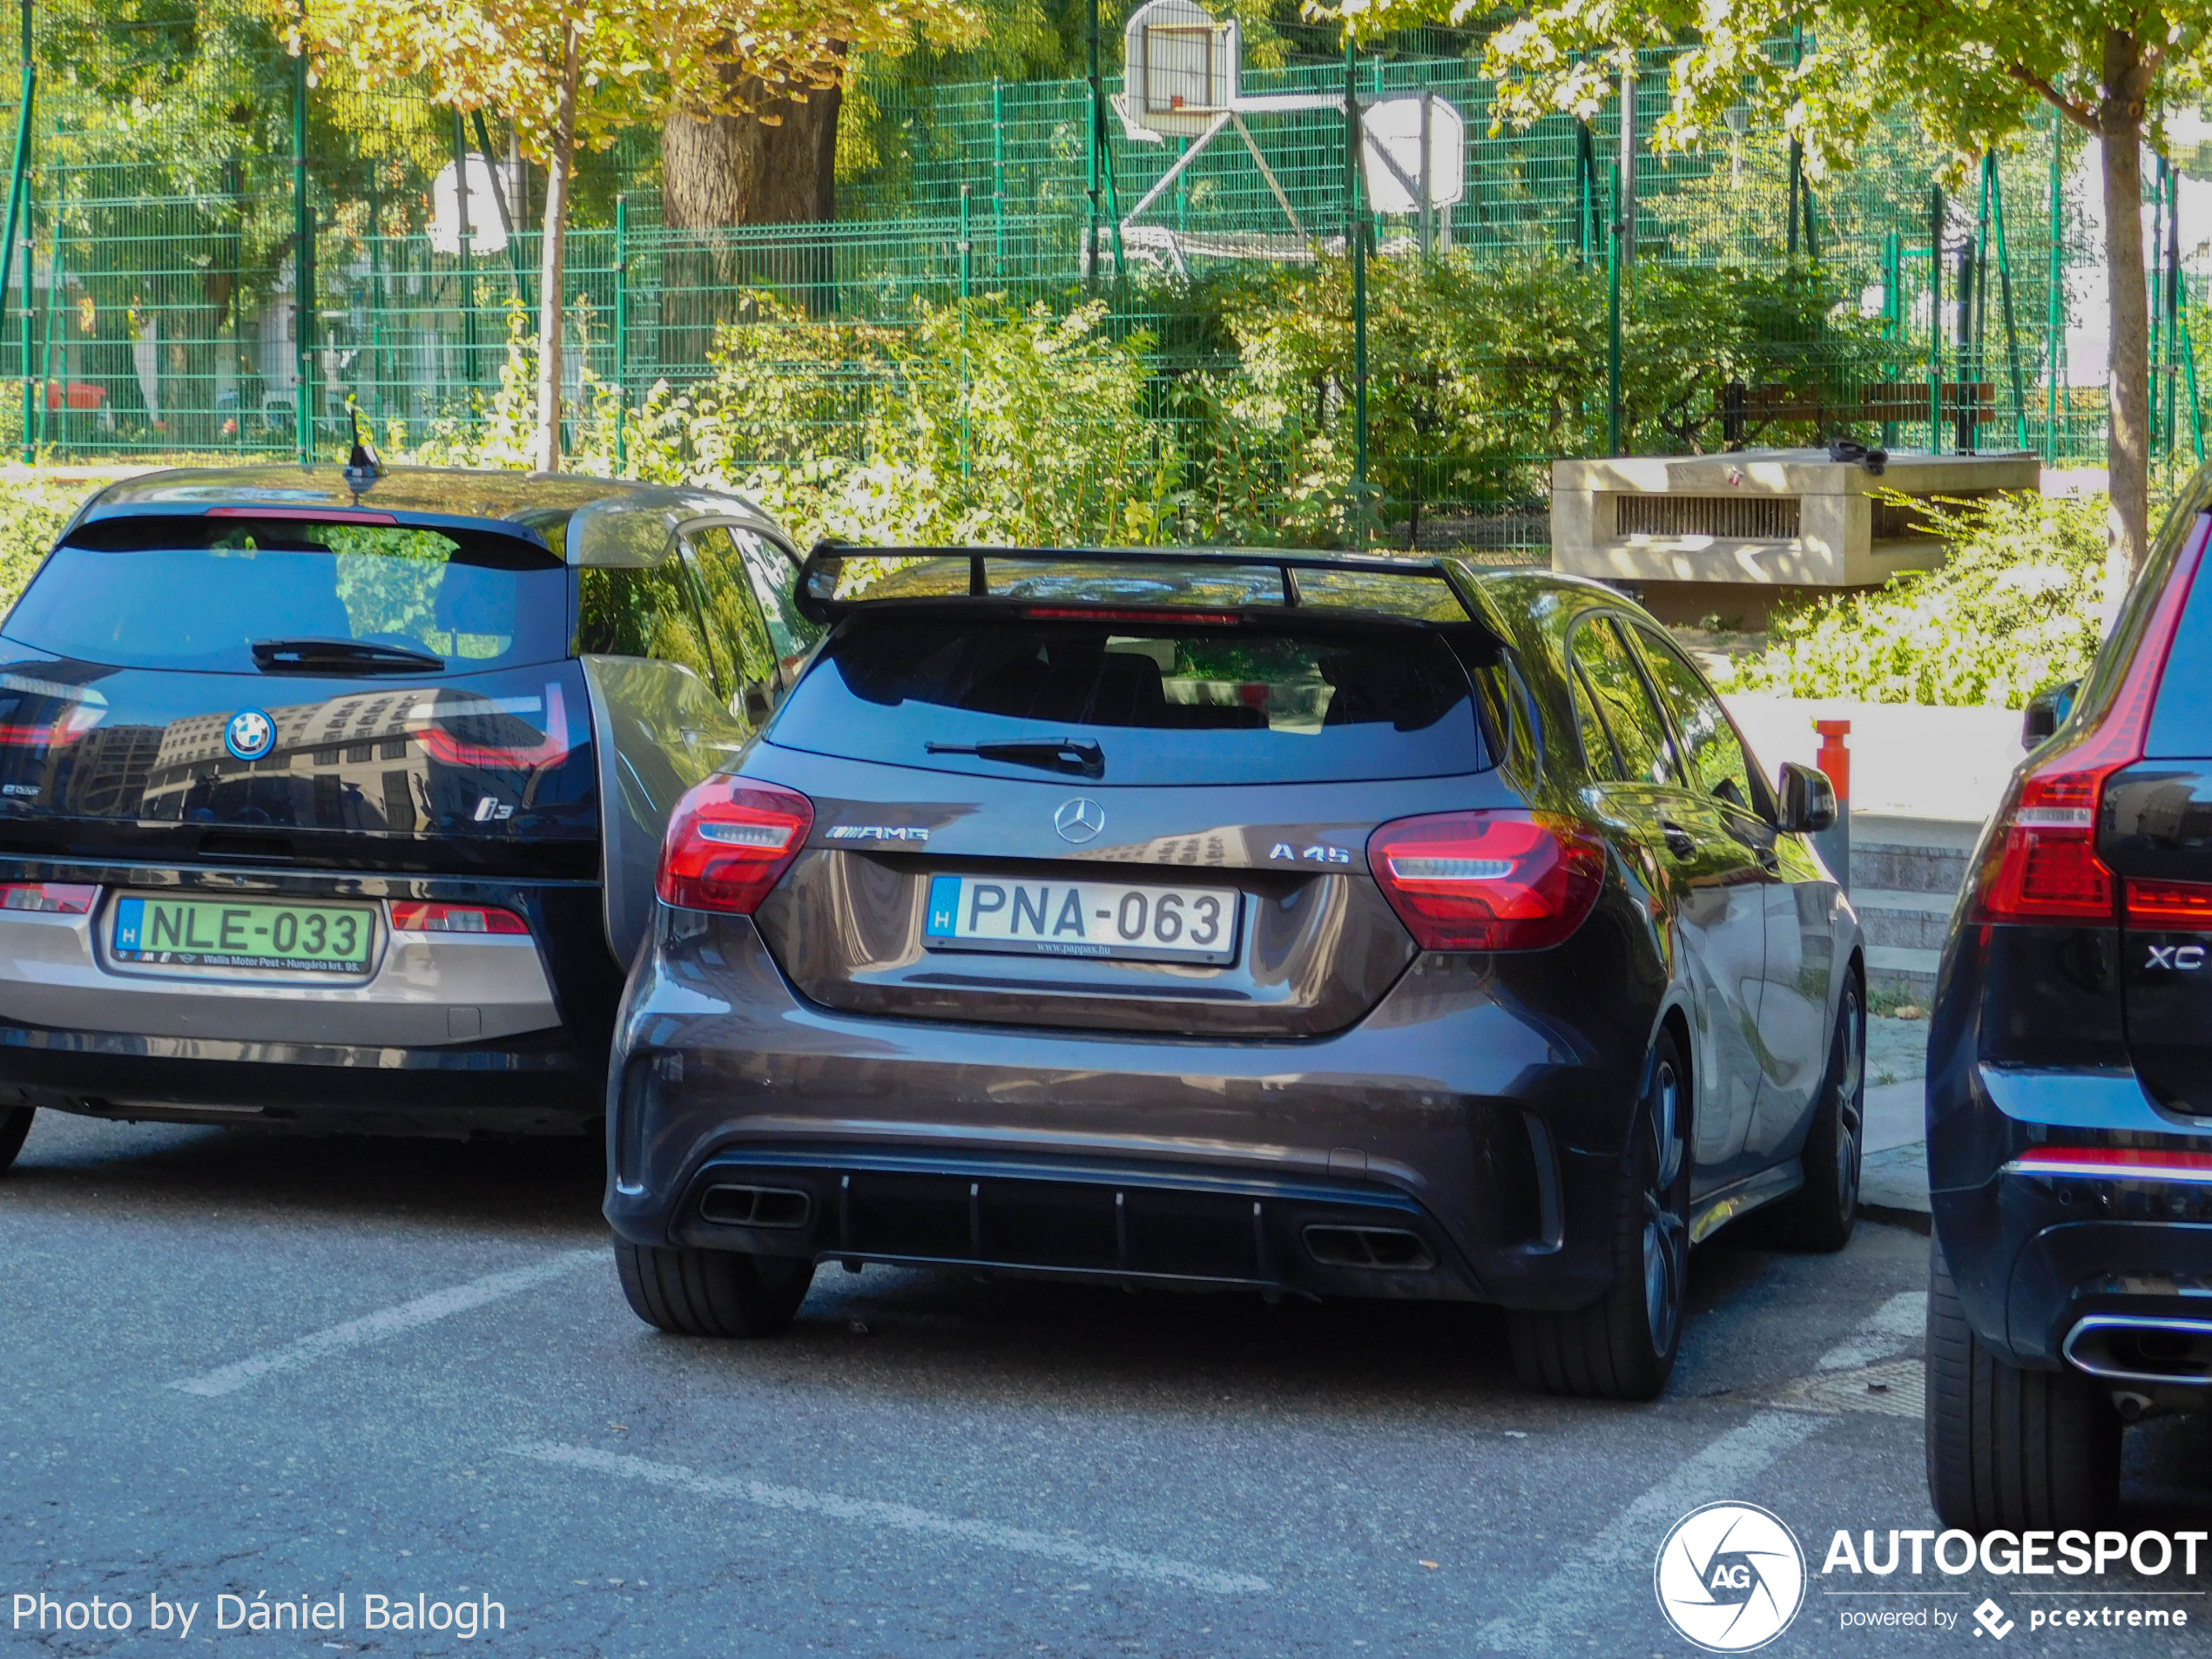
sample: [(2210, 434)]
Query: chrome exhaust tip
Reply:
[(2123, 1348)]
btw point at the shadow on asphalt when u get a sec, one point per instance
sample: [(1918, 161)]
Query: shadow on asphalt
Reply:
[(281, 1175)]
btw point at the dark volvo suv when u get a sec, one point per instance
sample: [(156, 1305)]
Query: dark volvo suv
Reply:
[(2070, 1080), (335, 795), (1301, 924)]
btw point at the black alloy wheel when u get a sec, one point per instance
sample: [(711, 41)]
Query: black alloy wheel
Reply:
[(1623, 1345), (1821, 1214)]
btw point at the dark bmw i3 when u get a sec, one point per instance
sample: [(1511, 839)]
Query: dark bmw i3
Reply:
[(1313, 926), (333, 797)]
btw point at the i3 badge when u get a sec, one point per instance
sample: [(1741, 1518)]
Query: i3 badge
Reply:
[(250, 734), (1080, 820)]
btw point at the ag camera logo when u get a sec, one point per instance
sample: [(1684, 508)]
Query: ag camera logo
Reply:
[(1729, 1577)]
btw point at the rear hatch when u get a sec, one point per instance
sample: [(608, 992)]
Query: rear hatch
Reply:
[(2156, 834), (1132, 808), (333, 692)]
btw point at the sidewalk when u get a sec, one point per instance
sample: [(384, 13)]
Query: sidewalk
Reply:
[(1893, 1182)]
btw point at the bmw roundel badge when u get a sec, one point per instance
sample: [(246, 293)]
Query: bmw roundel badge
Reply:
[(250, 734)]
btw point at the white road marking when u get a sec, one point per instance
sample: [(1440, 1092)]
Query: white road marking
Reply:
[(388, 1322), (1723, 1469), (1891, 1328), (902, 1517)]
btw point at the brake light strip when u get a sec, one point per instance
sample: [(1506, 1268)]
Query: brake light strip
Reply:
[(2115, 1164)]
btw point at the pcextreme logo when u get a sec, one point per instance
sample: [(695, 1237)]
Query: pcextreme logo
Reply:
[(1729, 1577)]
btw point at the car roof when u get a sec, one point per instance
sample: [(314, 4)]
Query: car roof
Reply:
[(596, 521)]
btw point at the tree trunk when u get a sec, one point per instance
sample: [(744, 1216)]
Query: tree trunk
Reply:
[(549, 309), (778, 166), (775, 166), (2128, 365)]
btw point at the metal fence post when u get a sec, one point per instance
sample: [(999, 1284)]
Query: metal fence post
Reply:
[(2055, 322), (303, 271), (1355, 242), (29, 255), (46, 342), (465, 272), (621, 331), (16, 210), (1097, 141), (998, 169), (1935, 319), (1612, 411), (2004, 299)]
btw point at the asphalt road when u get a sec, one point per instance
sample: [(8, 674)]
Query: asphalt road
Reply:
[(288, 1368)]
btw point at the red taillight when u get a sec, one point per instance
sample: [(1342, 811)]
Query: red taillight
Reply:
[(457, 749), (2185, 907), (2041, 863), (2114, 1164), (455, 919), (72, 723), (1489, 881), (55, 897), (730, 842)]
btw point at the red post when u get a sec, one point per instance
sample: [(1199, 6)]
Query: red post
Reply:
[(1835, 758)]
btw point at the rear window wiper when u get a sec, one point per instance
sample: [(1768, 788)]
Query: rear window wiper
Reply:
[(363, 656), (1054, 754)]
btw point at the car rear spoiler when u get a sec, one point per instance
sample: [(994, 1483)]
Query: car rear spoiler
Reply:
[(821, 575)]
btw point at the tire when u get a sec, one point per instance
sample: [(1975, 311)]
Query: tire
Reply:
[(712, 1292), (1623, 1345), (2008, 1448), (1820, 1215), (15, 1124)]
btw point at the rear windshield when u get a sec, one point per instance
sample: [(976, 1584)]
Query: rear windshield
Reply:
[(1163, 704), (199, 594), (2181, 723)]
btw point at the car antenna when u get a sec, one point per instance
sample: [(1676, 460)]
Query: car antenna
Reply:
[(364, 467)]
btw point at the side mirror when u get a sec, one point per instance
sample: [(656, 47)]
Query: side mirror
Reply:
[(757, 702), (1808, 800), (2046, 711)]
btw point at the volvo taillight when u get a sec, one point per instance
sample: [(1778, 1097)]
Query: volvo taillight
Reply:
[(1489, 881), (730, 842), (2041, 862)]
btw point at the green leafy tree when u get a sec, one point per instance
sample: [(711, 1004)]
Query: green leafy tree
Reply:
[(1971, 72), (572, 78)]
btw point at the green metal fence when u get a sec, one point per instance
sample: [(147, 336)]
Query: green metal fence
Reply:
[(233, 287)]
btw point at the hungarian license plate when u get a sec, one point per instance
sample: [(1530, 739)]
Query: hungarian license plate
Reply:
[(216, 933), (1107, 918)]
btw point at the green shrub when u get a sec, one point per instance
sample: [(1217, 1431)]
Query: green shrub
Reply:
[(2013, 610), (32, 512)]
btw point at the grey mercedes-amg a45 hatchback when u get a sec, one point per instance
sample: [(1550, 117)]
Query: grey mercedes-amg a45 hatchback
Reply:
[(1314, 925)]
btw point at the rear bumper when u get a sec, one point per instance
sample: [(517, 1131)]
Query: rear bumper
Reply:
[(1129, 1222), (2035, 1250), (449, 1034), (529, 1086), (1451, 1113)]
